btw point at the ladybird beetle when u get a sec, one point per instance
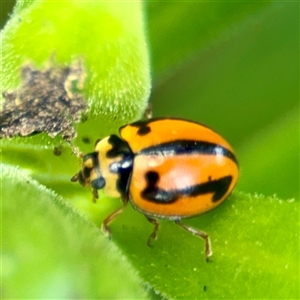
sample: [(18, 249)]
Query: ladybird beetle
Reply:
[(167, 168)]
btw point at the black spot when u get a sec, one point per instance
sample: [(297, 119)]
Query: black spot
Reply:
[(151, 189), (153, 193), (143, 127), (217, 187), (204, 288), (152, 177), (220, 187), (144, 130)]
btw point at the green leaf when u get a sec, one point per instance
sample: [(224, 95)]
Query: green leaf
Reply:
[(277, 170), (255, 247), (106, 38), (50, 251)]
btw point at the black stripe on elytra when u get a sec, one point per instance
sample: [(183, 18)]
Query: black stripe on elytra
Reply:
[(153, 193), (180, 147)]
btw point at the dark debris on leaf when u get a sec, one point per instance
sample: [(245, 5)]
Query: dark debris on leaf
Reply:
[(47, 101)]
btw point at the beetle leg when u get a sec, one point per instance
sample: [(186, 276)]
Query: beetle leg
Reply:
[(152, 236), (95, 195), (200, 233), (104, 227)]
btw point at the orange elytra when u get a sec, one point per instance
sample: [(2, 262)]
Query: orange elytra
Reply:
[(167, 168)]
